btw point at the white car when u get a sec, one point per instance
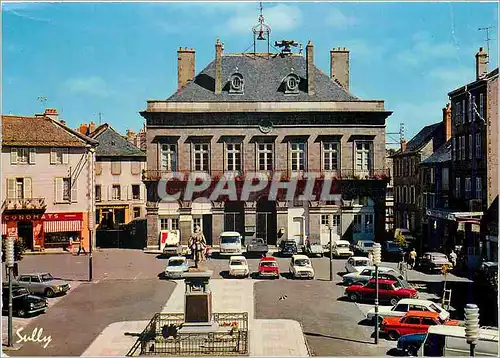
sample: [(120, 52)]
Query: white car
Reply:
[(365, 275), (364, 247), (405, 305), (230, 243), (357, 263), (176, 266), (301, 267), (342, 248), (238, 266)]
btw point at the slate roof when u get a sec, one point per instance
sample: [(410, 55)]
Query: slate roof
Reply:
[(112, 144), (423, 137), (263, 81), (442, 155), (40, 131)]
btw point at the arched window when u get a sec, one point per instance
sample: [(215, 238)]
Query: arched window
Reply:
[(292, 83), (236, 83)]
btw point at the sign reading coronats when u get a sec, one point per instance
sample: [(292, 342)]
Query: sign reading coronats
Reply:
[(45, 217)]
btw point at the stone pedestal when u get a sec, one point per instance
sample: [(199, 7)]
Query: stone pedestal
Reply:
[(153, 238)]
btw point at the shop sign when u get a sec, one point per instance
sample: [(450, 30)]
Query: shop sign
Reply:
[(440, 215), (44, 217)]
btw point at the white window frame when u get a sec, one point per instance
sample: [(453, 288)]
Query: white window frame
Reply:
[(330, 156), (462, 147), (168, 223), (59, 156), (454, 149), (363, 156), (168, 157), (234, 154), (199, 152), (23, 155), (471, 148), (473, 108), (478, 146), (265, 156), (116, 195), (457, 113), (298, 156), (479, 188), (19, 188), (468, 187)]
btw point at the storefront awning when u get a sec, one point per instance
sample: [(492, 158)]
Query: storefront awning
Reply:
[(62, 226), (461, 216)]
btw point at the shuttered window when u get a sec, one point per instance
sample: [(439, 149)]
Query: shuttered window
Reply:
[(116, 168), (98, 168), (135, 168), (59, 156)]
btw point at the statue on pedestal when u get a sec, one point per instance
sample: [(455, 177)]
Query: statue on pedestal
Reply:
[(198, 245)]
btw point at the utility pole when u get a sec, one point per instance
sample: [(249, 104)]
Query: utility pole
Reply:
[(488, 39), (99, 114)]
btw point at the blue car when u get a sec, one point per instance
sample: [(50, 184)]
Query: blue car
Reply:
[(410, 344)]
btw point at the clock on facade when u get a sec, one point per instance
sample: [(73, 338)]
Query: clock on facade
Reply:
[(265, 126)]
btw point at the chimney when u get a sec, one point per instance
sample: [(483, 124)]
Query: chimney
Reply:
[(83, 129), (130, 133), (91, 127), (51, 113), (309, 67), (63, 122), (403, 145), (218, 67), (447, 121), (481, 64), (339, 66), (185, 66)]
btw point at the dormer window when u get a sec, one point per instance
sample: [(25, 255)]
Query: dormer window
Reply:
[(292, 83), (236, 83)]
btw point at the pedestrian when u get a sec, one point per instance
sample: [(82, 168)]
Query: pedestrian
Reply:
[(81, 247), (453, 258), (413, 258), (370, 256), (70, 245)]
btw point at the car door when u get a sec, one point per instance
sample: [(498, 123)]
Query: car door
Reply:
[(400, 309), (384, 292), (368, 291), (427, 322), (365, 275), (36, 285), (410, 325), (24, 281)]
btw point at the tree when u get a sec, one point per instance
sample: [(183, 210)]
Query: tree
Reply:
[(19, 249)]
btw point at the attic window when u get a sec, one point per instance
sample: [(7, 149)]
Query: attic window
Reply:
[(236, 83), (113, 142), (292, 83)]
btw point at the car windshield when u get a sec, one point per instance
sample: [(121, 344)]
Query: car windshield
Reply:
[(361, 263), (229, 239), (20, 291), (302, 262), (392, 246), (435, 308), (257, 241), (439, 257), (175, 262), (289, 244), (237, 262), (268, 264), (368, 244), (342, 246), (46, 277)]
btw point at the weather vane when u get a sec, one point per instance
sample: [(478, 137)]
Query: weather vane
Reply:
[(261, 31)]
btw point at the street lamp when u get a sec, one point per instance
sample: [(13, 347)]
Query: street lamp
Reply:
[(9, 253), (377, 259), (330, 226), (472, 326)]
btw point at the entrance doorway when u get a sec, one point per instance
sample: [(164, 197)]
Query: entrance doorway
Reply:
[(234, 216), (266, 227), (25, 231)]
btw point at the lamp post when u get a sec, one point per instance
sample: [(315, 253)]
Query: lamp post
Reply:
[(91, 220), (472, 326), (377, 258), (330, 226), (9, 252)]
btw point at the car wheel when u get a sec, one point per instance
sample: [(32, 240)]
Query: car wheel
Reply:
[(49, 292), (412, 351), (354, 297), (394, 301), (21, 313), (393, 335)]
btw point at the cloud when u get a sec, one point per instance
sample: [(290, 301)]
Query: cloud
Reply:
[(362, 50), (415, 116), (92, 85), (336, 19), (449, 78), (424, 49)]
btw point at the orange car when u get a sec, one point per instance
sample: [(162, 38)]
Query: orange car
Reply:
[(412, 322)]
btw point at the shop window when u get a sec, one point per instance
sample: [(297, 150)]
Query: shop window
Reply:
[(356, 225), (98, 192), (136, 192), (137, 212)]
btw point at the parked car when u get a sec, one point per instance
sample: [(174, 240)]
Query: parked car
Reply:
[(389, 291), (24, 303), (364, 247), (413, 322), (257, 247), (238, 266), (341, 248), (365, 275), (391, 251), (301, 267), (409, 344), (405, 305), (43, 284), (268, 267), (176, 266), (433, 262), (288, 248), (357, 263), (313, 249), (230, 243)]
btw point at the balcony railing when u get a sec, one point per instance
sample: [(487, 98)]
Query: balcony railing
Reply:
[(285, 174), (24, 204)]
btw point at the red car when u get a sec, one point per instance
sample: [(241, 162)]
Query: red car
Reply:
[(388, 291), (413, 322), (268, 267)]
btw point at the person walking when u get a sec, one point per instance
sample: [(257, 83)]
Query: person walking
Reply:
[(453, 258), (81, 247), (70, 245), (413, 258)]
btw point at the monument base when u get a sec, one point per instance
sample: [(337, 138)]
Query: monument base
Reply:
[(201, 327)]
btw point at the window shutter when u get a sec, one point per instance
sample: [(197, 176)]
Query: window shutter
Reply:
[(65, 155), (110, 192), (129, 192), (27, 188), (59, 190), (13, 155), (142, 192), (98, 168), (11, 188), (53, 159), (123, 195), (74, 190), (32, 155)]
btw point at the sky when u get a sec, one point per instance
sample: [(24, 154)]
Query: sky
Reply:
[(110, 58)]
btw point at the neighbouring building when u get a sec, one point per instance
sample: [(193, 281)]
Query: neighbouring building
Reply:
[(389, 196), (46, 181), (139, 139), (268, 113), (407, 188), (472, 216)]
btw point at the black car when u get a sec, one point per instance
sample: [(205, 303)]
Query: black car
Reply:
[(392, 252), (23, 302), (288, 248)]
